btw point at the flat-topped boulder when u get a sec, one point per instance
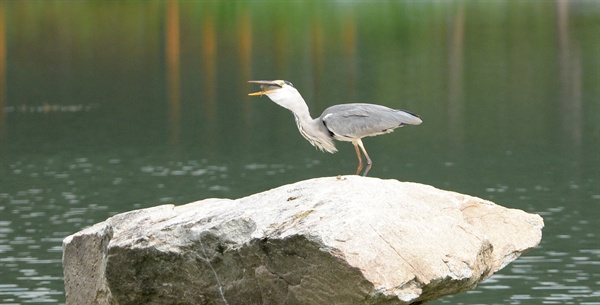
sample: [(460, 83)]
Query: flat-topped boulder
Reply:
[(332, 240)]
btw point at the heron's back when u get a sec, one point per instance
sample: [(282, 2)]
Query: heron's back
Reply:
[(355, 121)]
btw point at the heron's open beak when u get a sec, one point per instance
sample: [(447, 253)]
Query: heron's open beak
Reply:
[(266, 86)]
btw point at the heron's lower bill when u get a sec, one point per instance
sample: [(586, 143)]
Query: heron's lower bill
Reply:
[(260, 93), (266, 86), (264, 90)]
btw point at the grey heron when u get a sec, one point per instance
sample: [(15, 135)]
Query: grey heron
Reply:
[(344, 122)]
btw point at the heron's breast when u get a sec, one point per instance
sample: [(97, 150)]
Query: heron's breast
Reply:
[(343, 138)]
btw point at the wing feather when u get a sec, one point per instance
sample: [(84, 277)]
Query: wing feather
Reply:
[(353, 121)]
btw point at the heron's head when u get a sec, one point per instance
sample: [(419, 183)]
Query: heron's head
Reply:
[(281, 92)]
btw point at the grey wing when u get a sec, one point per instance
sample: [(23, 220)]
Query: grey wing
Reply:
[(353, 121)]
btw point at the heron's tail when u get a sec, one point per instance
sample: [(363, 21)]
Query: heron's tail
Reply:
[(408, 118)]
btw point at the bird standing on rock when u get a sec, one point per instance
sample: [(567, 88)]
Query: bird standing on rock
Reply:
[(344, 122)]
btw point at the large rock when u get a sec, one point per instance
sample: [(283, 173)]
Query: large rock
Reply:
[(344, 240)]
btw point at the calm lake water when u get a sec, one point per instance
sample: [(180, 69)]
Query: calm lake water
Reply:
[(106, 107)]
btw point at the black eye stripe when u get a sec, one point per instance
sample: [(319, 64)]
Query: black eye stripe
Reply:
[(288, 83)]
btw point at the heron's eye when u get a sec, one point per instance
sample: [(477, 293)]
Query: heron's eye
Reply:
[(288, 83)]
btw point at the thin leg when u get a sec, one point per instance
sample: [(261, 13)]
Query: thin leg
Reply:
[(360, 164), (369, 163)]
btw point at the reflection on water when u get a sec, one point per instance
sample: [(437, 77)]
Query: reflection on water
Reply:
[(131, 105), (66, 195), (50, 199)]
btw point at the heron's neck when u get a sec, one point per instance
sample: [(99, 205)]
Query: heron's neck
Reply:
[(304, 122), (303, 117), (300, 111), (311, 129)]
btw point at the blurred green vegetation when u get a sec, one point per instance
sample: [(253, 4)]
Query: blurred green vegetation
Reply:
[(454, 62)]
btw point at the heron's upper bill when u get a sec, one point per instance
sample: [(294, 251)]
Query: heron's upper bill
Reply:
[(265, 86)]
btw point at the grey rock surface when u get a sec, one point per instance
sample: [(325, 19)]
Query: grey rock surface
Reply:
[(333, 240)]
